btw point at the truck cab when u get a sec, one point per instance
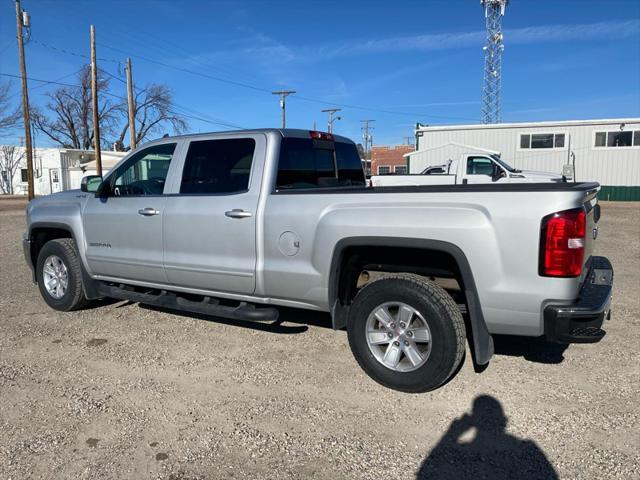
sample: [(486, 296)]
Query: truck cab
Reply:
[(487, 168)]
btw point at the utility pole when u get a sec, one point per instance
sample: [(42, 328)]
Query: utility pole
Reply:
[(366, 136), (132, 108), (332, 119), (22, 21), (94, 95), (283, 103), (409, 140)]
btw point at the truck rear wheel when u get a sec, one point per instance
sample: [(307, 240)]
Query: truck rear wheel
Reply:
[(59, 275), (406, 333)]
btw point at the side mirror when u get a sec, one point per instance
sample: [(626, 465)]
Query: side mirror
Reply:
[(91, 183), (498, 174)]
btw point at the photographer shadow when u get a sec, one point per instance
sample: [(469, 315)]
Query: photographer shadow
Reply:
[(490, 453)]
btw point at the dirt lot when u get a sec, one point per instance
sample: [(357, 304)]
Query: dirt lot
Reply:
[(123, 391)]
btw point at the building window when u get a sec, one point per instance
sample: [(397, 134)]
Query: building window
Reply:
[(617, 139), (5, 177), (24, 176), (542, 140), (54, 176), (384, 169), (400, 169)]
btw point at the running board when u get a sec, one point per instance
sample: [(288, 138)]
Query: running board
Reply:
[(173, 301)]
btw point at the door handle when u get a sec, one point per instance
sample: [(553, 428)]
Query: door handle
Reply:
[(238, 213), (148, 212)]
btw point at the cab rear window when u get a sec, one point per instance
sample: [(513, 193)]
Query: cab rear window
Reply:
[(308, 163)]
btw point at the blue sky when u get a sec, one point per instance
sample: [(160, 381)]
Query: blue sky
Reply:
[(406, 61)]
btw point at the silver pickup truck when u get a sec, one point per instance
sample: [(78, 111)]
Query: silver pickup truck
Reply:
[(235, 224)]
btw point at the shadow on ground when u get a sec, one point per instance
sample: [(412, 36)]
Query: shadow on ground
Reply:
[(477, 445), (293, 321), (533, 349), (301, 320)]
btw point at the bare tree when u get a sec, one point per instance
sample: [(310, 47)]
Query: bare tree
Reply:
[(9, 117), (71, 123), (153, 112), (67, 119), (10, 161)]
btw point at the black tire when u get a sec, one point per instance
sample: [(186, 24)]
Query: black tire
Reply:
[(73, 298), (442, 316)]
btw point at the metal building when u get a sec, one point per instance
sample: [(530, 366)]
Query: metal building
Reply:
[(606, 151), (55, 169)]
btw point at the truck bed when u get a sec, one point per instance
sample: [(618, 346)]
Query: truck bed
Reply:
[(477, 187)]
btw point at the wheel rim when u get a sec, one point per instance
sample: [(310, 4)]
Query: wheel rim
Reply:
[(55, 276), (398, 336)]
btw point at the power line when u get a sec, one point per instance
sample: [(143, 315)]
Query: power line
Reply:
[(163, 46), (47, 83), (267, 90), (182, 107), (69, 52), (193, 72), (51, 82)]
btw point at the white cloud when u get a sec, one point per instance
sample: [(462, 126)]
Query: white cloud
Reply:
[(615, 29)]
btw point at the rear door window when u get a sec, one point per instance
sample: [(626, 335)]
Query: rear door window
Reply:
[(307, 163), (218, 166)]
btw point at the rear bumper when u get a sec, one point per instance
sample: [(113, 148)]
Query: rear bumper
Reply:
[(580, 321)]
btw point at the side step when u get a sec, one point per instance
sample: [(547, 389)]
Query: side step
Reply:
[(208, 305), (587, 334)]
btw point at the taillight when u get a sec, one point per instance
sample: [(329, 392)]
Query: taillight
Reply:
[(562, 244), (320, 135)]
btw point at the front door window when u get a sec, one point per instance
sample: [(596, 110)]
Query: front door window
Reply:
[(144, 173)]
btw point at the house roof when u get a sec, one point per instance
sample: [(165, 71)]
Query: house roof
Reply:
[(471, 148), (560, 123)]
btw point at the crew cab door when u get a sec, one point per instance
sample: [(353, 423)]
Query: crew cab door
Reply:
[(123, 222), (480, 169), (210, 220)]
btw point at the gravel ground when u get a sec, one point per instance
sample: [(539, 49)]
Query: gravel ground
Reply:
[(123, 391)]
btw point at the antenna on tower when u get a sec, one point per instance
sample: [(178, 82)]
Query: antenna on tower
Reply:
[(493, 13)]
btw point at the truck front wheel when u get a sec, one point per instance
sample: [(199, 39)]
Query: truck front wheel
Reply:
[(59, 275), (406, 332)]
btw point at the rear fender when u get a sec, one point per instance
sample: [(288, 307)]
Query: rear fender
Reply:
[(481, 341)]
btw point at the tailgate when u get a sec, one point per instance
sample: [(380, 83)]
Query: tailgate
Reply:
[(592, 210)]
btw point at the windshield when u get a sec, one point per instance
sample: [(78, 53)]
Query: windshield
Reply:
[(504, 164)]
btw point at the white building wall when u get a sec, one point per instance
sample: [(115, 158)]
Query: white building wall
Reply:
[(55, 171), (614, 166)]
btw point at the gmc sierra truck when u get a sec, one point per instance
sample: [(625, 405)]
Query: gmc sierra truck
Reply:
[(235, 224)]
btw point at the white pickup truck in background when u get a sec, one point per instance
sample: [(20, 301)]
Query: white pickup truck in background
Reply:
[(470, 167)]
